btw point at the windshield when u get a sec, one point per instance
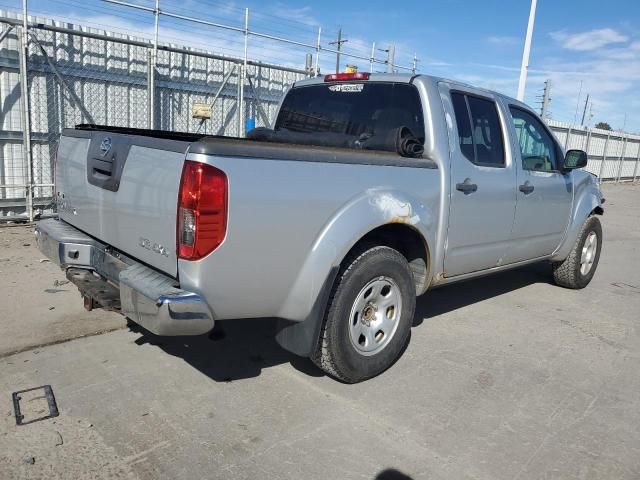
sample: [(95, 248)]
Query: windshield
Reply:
[(353, 109)]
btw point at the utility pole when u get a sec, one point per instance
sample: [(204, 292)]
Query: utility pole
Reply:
[(526, 52), (308, 64), (373, 57), (546, 99), (338, 44), (584, 112), (391, 55)]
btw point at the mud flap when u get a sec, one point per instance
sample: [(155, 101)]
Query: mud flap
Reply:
[(301, 338)]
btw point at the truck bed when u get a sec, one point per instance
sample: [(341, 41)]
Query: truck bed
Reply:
[(127, 197)]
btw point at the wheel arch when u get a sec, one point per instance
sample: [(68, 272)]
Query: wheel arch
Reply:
[(406, 240), (588, 201), (377, 217)]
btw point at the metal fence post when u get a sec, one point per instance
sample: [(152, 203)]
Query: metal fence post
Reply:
[(587, 142), (624, 151), (243, 75), (318, 52), (604, 157), (23, 45), (152, 68), (635, 169), (566, 142), (150, 89)]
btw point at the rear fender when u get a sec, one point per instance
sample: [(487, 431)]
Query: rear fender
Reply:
[(352, 222), (372, 209)]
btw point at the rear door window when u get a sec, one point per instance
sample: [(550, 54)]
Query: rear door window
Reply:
[(479, 130), (352, 109), (463, 121)]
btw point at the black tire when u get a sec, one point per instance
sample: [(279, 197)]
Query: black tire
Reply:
[(567, 273), (335, 353)]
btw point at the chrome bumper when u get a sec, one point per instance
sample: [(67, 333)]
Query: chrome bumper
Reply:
[(147, 297)]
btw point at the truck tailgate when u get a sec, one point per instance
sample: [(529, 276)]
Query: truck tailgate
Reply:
[(122, 189)]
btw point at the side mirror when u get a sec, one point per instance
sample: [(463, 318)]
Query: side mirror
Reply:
[(575, 159)]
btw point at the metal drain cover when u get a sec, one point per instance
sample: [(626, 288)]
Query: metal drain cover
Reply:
[(34, 404)]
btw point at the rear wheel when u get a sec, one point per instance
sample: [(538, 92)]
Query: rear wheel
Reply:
[(577, 270), (369, 315)]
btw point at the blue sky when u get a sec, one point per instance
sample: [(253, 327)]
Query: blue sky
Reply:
[(593, 42)]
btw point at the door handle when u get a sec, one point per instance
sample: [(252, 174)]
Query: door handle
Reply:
[(466, 187), (526, 188)]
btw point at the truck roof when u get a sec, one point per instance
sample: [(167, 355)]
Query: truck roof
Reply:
[(410, 77)]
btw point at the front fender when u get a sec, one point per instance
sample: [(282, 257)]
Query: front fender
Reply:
[(587, 198)]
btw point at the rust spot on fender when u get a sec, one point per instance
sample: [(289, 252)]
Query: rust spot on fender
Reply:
[(439, 277), (399, 219), (397, 210)]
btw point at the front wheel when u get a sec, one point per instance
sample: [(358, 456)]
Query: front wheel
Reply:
[(369, 315), (577, 270)]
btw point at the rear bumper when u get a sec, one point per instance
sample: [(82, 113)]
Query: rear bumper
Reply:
[(147, 297)]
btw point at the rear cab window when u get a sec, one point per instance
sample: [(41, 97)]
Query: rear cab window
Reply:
[(353, 109)]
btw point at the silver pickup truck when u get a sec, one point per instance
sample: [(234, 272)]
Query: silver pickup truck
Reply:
[(369, 190)]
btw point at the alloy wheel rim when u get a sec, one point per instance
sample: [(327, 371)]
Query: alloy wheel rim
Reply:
[(588, 253), (375, 315)]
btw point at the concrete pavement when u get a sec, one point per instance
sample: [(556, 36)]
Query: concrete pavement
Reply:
[(38, 305), (507, 377)]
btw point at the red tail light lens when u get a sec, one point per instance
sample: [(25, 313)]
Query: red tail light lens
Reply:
[(202, 210), (346, 77)]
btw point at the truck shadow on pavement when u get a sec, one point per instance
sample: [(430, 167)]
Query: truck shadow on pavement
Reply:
[(240, 349), (443, 300), (233, 350)]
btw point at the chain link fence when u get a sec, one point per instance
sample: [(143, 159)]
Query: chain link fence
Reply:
[(13, 173), (73, 79), (84, 75), (76, 74)]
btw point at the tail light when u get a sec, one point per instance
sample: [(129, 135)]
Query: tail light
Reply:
[(346, 77), (202, 210)]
